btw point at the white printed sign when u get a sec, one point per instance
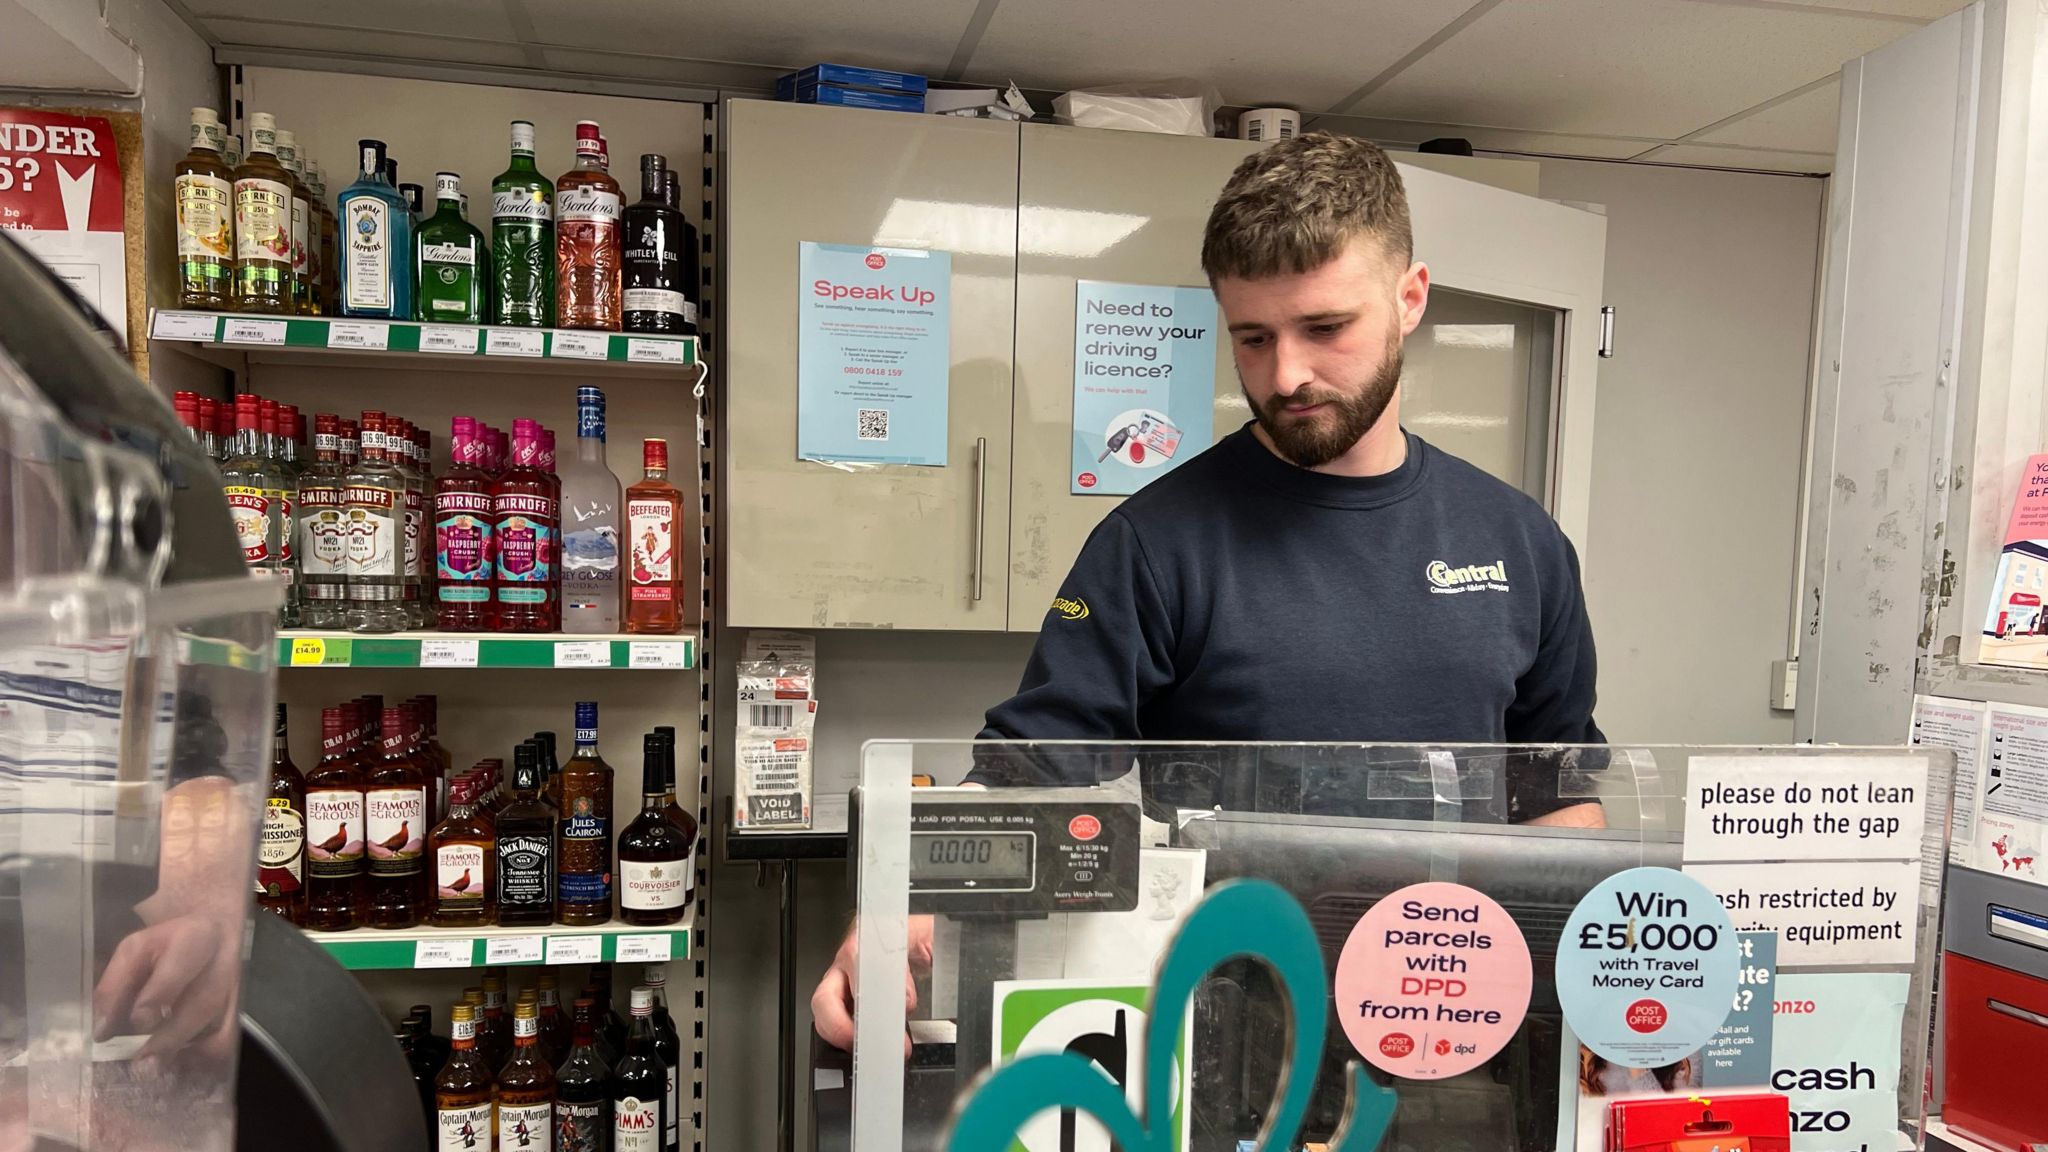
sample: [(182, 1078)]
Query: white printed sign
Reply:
[(2012, 811), (575, 949), (239, 331), (1957, 725), (1824, 914), (650, 949), (580, 345), (512, 950), (657, 654), (654, 351), (442, 338), (1764, 807), (514, 342), (442, 953), (583, 653), (1835, 1054), (448, 653), (350, 334), (185, 326)]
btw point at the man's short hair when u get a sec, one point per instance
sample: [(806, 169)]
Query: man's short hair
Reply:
[(1293, 206)]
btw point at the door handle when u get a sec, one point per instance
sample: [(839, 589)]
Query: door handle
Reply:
[(2016, 1012), (980, 507)]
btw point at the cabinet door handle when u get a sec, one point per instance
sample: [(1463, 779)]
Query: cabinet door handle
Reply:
[(980, 507)]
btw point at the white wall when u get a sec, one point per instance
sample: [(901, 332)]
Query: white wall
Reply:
[(1697, 441)]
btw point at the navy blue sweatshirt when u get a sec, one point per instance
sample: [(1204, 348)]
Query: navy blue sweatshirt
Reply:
[(1240, 598)]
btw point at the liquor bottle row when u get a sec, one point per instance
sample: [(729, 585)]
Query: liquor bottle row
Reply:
[(514, 544), (382, 833), (580, 1081), (258, 235)]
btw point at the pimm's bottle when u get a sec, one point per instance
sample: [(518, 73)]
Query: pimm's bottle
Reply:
[(638, 1083)]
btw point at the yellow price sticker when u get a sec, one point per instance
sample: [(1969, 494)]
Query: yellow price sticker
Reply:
[(308, 650)]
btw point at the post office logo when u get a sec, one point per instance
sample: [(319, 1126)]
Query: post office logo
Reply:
[(1070, 609), (1471, 578)]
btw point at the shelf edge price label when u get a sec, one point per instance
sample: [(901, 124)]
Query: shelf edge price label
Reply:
[(583, 653), (657, 654), (1647, 967), (575, 949), (581, 345), (513, 949), (448, 653), (443, 953), (350, 334), (238, 331), (649, 949), (654, 351), (514, 342), (184, 326), (444, 338)]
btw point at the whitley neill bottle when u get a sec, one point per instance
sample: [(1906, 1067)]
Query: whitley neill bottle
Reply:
[(652, 258)]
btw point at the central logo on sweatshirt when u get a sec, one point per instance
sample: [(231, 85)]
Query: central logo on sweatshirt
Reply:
[(1070, 609), (1471, 578)]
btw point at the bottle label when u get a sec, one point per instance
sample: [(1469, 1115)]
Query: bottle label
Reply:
[(372, 530), (459, 877), (592, 552), (205, 219), (334, 834), (519, 205), (654, 300), (463, 546), (690, 873), (281, 507), (636, 1124), (415, 518), (525, 871), (461, 255), (250, 512), (579, 1127), (651, 885), (323, 543), (263, 221), (672, 1121), (300, 212), (525, 1126), (395, 828), (524, 539), (464, 1129), (689, 311), (280, 848), (652, 525), (593, 205), (366, 227)]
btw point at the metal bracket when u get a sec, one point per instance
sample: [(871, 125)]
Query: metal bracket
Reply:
[(1607, 331)]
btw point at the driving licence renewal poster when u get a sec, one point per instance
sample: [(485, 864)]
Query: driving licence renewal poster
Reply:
[(1144, 382), (873, 354)]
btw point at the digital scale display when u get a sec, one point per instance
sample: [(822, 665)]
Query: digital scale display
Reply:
[(987, 859)]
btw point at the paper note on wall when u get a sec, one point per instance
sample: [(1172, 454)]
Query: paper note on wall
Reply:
[(1144, 382), (2012, 816), (1957, 725)]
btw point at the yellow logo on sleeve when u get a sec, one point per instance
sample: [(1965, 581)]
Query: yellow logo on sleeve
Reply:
[(1070, 609)]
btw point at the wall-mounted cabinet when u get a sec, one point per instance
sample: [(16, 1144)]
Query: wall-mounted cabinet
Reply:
[(1501, 373)]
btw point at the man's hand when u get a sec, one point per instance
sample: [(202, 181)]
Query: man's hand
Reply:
[(1577, 816), (832, 1003)]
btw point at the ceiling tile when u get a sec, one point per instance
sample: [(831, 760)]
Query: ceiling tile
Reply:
[(1306, 53), (1805, 123), (1486, 139), (472, 19), (907, 35), (377, 45), (1713, 156), (1654, 68)]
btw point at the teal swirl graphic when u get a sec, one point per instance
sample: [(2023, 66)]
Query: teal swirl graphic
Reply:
[(1251, 918)]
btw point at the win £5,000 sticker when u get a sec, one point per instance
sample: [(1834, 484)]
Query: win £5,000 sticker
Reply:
[(1647, 967)]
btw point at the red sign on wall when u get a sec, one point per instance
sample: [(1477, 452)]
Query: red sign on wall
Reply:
[(61, 195)]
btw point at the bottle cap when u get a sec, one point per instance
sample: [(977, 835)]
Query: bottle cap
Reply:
[(586, 718), (643, 1001), (655, 453), (462, 1014), (656, 975), (447, 186), (522, 136)]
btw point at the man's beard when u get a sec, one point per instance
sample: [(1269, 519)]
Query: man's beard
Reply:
[(1315, 441)]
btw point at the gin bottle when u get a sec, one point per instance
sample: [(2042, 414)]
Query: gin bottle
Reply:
[(376, 242), (454, 264), (523, 239)]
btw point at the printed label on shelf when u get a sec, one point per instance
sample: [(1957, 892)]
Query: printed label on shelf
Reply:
[(575, 949), (443, 953), (515, 342), (447, 653), (649, 949), (513, 950), (442, 338), (184, 326), (655, 351), (581, 345), (308, 651), (351, 334), (583, 653), (252, 332), (657, 654)]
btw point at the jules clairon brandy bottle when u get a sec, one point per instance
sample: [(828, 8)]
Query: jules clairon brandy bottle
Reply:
[(584, 869), (654, 855)]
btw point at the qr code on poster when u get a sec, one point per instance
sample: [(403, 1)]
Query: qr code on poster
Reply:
[(874, 423)]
